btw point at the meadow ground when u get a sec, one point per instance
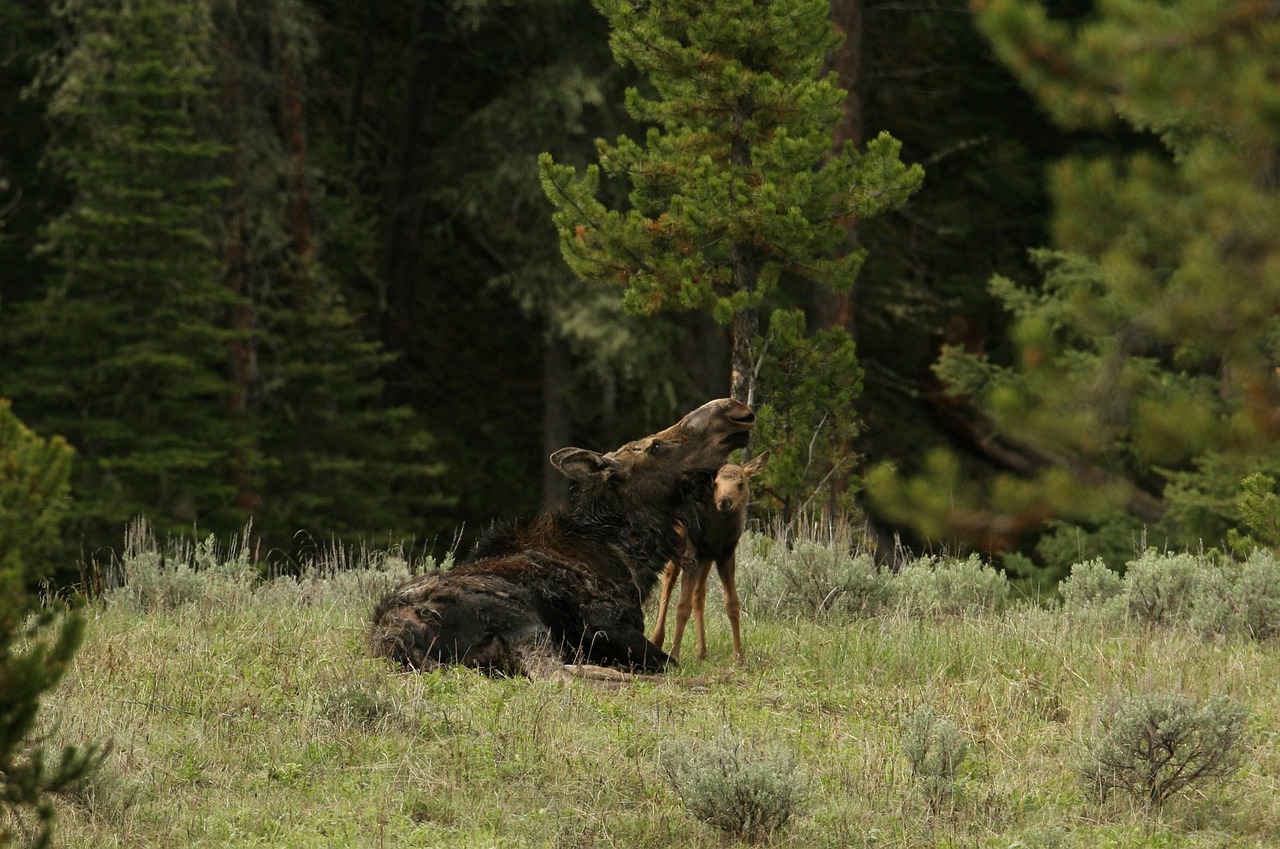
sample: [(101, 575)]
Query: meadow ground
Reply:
[(243, 713)]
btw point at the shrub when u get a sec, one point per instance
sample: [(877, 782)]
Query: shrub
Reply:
[(1215, 606), (951, 587), (1161, 587), (183, 571), (819, 571), (1153, 746), (935, 749), (1090, 584), (1095, 591), (1258, 594), (749, 793), (1240, 599)]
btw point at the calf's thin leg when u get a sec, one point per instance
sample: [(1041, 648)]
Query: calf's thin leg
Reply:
[(700, 609), (689, 581), (664, 600), (728, 569)]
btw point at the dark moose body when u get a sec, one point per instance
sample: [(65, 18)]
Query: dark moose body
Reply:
[(567, 587)]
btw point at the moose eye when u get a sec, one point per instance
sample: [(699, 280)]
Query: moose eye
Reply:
[(657, 447)]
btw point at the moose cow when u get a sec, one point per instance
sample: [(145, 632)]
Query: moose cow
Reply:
[(715, 541), (565, 588)]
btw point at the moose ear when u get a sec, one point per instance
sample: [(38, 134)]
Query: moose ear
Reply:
[(579, 464), (756, 464)]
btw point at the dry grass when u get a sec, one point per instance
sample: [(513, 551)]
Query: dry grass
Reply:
[(256, 718)]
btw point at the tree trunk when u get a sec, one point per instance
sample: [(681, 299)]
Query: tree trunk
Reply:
[(405, 201), (239, 260), (830, 308), (836, 309), (292, 121), (555, 422), (357, 85), (705, 352), (746, 324), (746, 274)]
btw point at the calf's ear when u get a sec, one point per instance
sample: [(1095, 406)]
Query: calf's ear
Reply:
[(756, 464), (579, 464)]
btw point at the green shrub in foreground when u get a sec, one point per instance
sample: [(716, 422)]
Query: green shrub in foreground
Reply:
[(1153, 746), (748, 793), (818, 573), (1182, 589), (935, 749), (811, 573)]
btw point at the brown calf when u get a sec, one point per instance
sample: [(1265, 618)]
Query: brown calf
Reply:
[(540, 596), (715, 542)]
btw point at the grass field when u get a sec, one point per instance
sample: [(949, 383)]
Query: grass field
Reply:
[(243, 713)]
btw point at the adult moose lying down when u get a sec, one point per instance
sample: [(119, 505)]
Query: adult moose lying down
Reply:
[(567, 587)]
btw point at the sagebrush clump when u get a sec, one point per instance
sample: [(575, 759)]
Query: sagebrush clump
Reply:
[(812, 572), (1240, 598), (1208, 595), (1155, 745), (935, 748), (935, 586), (817, 573), (748, 792), (1161, 587)]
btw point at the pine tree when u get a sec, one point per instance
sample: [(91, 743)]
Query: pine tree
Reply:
[(125, 353), (34, 489), (189, 341), (327, 456), (736, 185), (1144, 387), (812, 383)]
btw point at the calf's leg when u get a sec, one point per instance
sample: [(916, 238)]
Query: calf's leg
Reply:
[(691, 579), (728, 569), (664, 600)]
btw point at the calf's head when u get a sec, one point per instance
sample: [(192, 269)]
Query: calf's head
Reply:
[(732, 488)]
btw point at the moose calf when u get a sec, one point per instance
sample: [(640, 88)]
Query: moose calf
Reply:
[(714, 542), (542, 595)]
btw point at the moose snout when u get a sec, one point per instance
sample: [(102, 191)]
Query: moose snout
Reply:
[(725, 505)]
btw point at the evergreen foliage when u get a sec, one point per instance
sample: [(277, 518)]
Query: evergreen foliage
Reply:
[(808, 388), (1144, 379), (35, 647), (1259, 507), (191, 343), (34, 497), (124, 353), (735, 184)]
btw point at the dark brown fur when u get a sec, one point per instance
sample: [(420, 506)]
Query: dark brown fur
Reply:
[(567, 587), (713, 542)]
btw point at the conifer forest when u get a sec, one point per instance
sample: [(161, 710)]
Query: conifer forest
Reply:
[(999, 276)]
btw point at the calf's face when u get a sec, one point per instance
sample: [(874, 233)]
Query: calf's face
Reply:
[(732, 484)]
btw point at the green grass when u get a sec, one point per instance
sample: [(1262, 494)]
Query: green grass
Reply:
[(254, 717)]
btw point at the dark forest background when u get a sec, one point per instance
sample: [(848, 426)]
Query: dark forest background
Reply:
[(375, 337)]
